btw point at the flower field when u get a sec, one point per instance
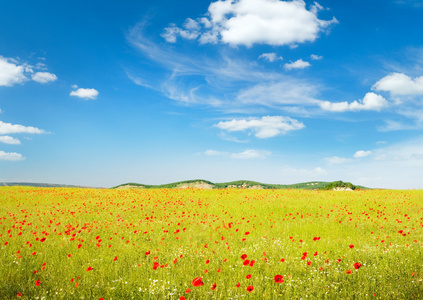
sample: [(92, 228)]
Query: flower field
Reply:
[(60, 243)]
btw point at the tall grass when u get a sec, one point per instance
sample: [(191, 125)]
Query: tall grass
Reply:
[(151, 244)]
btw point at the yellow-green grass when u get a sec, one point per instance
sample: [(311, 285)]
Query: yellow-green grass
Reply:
[(184, 229)]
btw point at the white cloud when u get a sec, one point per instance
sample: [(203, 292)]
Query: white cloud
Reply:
[(214, 153), (12, 156), (371, 101), (85, 93), (248, 22), (8, 128), (271, 57), (10, 72), (218, 81), (361, 153), (299, 64), (9, 140), (335, 160), (44, 77), (190, 32), (316, 57), (251, 154), (286, 91), (399, 84), (310, 173), (266, 127)]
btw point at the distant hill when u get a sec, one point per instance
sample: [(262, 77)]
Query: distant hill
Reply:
[(33, 184), (240, 184)]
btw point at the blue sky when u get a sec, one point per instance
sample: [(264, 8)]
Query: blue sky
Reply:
[(100, 93)]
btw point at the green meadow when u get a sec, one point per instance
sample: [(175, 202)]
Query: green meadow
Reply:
[(69, 243)]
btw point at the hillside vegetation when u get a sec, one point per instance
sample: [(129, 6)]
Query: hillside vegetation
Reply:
[(240, 184)]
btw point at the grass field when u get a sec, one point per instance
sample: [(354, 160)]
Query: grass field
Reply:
[(58, 243)]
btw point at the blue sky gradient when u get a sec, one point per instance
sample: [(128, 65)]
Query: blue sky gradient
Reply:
[(103, 93)]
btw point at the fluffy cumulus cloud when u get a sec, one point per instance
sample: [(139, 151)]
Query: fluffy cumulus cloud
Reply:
[(316, 57), (189, 31), (9, 140), (399, 84), (248, 22), (271, 57), (10, 72), (251, 154), (299, 64), (8, 128), (336, 160), (85, 93), (44, 77), (361, 153), (265, 127), (12, 156), (371, 101)]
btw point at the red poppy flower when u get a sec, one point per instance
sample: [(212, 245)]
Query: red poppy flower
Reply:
[(252, 263), (89, 268), (197, 281), (247, 233), (244, 256), (351, 246), (115, 259), (19, 294), (250, 288), (187, 290), (37, 283), (282, 260), (213, 286), (207, 261), (348, 271), (182, 298), (357, 265), (246, 262), (238, 285), (309, 263), (147, 252), (248, 276), (279, 279)]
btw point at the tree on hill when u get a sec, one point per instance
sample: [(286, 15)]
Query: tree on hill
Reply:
[(339, 184)]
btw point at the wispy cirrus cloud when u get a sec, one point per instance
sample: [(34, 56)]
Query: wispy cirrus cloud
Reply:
[(251, 154), (247, 154)]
